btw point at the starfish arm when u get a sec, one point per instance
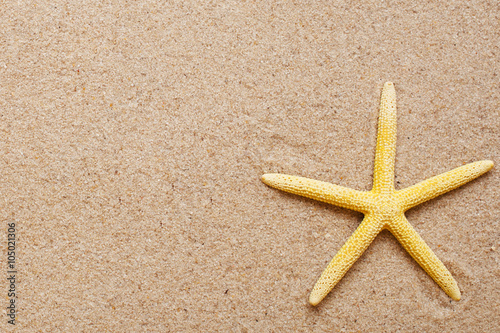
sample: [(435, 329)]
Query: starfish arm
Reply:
[(424, 256), (440, 184), (321, 191), (383, 175), (345, 258)]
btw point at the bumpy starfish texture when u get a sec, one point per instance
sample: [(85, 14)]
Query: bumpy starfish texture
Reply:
[(383, 206)]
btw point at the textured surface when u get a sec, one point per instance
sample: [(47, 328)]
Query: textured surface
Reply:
[(383, 206), (133, 135)]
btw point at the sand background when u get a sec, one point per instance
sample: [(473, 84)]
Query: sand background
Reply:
[(134, 135)]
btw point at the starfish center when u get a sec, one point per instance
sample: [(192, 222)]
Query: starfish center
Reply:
[(387, 206)]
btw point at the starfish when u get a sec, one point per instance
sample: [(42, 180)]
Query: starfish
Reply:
[(383, 206)]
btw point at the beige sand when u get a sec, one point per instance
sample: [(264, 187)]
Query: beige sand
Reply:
[(134, 135)]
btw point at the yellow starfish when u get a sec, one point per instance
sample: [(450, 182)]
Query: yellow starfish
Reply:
[(383, 206)]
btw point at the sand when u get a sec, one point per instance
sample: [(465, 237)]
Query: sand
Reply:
[(134, 135)]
